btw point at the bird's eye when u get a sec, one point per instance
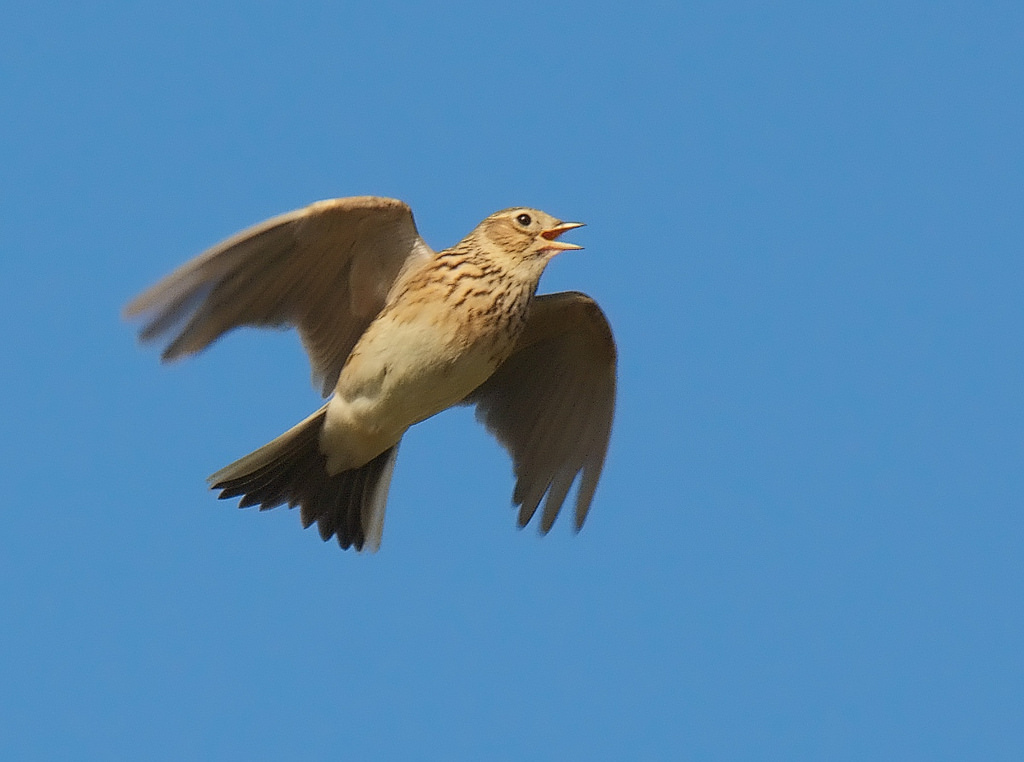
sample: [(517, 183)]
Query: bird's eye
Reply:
[(524, 220)]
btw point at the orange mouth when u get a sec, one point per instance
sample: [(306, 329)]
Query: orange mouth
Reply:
[(551, 234)]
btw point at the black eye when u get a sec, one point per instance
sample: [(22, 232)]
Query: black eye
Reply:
[(524, 220)]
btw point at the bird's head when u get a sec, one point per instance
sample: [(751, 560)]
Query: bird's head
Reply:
[(526, 234)]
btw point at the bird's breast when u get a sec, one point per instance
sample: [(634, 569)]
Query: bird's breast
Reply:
[(419, 357)]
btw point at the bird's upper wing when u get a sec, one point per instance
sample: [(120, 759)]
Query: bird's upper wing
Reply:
[(326, 269), (551, 404)]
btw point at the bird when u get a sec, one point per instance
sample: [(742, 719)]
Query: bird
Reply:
[(396, 333)]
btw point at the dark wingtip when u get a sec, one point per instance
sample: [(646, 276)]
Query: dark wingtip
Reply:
[(525, 514)]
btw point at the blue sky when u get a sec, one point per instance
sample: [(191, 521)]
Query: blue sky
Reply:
[(805, 223)]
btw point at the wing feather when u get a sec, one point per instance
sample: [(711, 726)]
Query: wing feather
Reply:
[(551, 405), (326, 269)]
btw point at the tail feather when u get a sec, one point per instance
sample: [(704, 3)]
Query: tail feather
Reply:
[(291, 469)]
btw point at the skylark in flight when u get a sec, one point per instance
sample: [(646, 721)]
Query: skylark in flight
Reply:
[(399, 333)]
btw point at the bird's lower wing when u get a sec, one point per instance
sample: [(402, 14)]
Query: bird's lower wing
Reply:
[(551, 404)]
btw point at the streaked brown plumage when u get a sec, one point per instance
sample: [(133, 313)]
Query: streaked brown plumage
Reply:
[(399, 333)]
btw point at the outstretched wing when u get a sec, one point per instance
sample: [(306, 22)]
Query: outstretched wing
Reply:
[(551, 404), (326, 269)]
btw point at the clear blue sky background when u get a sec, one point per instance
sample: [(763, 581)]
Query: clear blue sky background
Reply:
[(805, 223)]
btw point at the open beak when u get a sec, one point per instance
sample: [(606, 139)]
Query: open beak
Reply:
[(552, 234)]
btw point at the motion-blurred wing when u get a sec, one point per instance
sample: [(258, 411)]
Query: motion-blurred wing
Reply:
[(326, 269), (551, 404)]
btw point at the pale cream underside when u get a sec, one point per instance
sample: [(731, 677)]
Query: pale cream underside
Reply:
[(400, 373)]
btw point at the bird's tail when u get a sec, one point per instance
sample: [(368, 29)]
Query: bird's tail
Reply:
[(292, 469)]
